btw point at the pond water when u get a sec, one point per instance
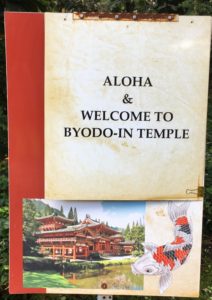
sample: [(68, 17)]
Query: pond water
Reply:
[(116, 277)]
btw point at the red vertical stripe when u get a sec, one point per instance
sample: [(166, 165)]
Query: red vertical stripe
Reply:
[(25, 79)]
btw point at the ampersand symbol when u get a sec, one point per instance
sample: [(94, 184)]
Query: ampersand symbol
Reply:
[(127, 99)]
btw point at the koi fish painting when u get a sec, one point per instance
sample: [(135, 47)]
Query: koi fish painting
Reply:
[(162, 260)]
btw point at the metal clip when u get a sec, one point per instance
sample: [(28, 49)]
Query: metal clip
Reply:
[(149, 17), (104, 297), (199, 191)]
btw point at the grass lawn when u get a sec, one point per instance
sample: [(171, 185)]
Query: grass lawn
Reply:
[(124, 261), (44, 280), (84, 265)]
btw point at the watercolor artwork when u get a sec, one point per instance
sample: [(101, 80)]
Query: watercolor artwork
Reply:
[(161, 260)]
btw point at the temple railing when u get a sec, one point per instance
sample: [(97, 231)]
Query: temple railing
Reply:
[(43, 240)]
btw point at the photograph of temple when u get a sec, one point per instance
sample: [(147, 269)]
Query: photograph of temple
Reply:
[(59, 238), (82, 244)]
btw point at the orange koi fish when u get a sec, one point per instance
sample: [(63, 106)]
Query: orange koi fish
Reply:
[(162, 260)]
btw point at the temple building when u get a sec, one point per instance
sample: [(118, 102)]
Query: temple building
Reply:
[(58, 238)]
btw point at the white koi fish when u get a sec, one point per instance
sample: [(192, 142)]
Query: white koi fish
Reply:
[(162, 260)]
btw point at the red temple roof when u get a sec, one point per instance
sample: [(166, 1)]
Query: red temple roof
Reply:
[(88, 220), (82, 226), (54, 218)]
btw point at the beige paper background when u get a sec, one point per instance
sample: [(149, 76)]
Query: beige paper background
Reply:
[(78, 57), (159, 230)]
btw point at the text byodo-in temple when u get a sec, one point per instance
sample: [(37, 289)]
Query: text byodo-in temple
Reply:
[(59, 238)]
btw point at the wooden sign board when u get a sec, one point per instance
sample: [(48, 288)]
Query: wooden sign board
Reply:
[(106, 108)]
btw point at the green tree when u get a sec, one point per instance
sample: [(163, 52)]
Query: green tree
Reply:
[(29, 227), (75, 216), (71, 214), (137, 235), (196, 7), (47, 210), (51, 210), (127, 232), (62, 211)]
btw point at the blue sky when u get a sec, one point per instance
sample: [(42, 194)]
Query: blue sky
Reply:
[(116, 213)]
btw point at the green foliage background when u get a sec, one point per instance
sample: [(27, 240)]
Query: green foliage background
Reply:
[(183, 7)]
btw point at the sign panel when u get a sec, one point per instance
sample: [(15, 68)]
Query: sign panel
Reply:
[(122, 117), (125, 108)]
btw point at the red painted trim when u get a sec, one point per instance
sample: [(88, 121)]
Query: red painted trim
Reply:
[(25, 79)]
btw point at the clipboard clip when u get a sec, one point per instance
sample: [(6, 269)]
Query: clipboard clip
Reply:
[(105, 16), (199, 191)]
